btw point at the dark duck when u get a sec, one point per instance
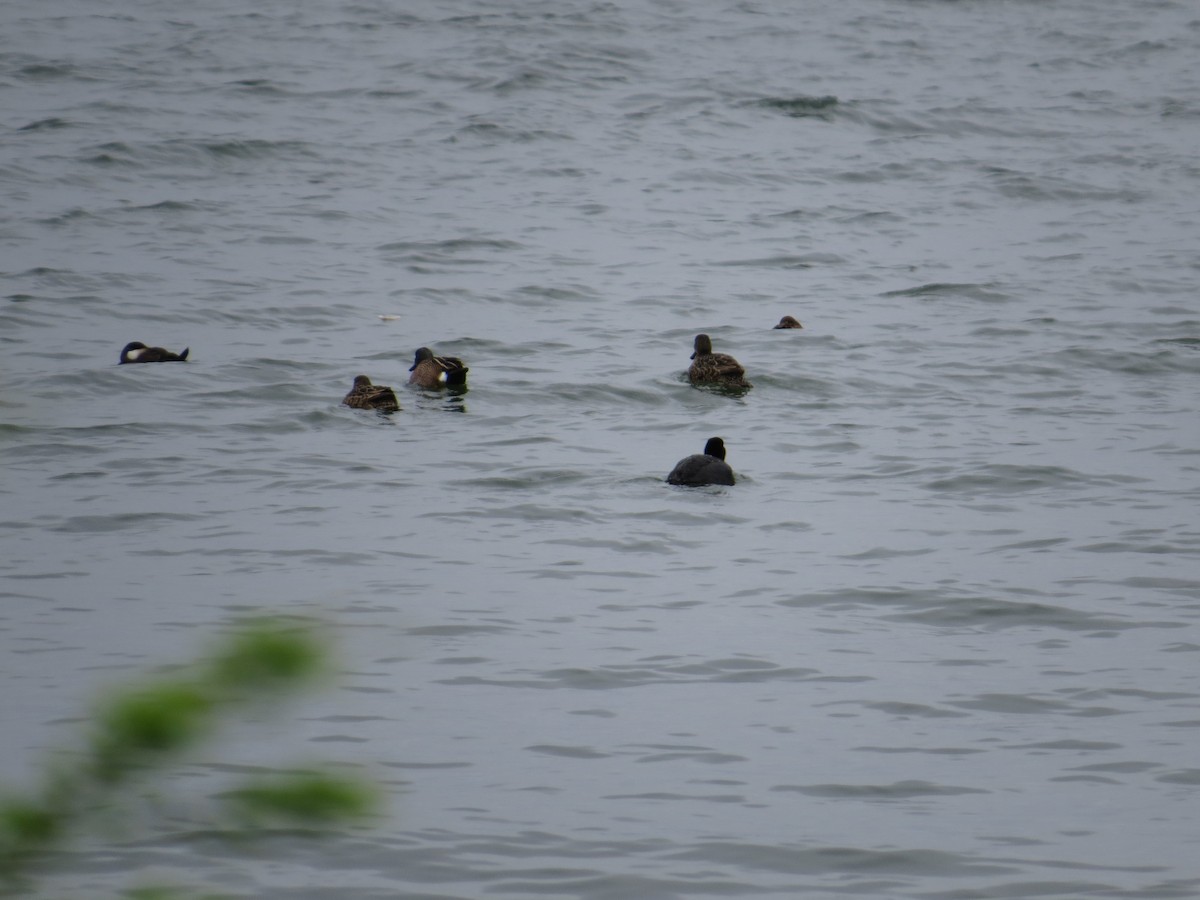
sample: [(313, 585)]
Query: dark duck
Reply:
[(137, 352), (704, 468)]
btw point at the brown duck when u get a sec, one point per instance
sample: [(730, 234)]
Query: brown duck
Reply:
[(715, 368), (365, 395), (429, 371), (789, 322)]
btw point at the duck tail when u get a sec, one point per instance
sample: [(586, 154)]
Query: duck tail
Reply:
[(183, 355)]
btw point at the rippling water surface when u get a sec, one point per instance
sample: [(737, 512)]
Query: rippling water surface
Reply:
[(940, 640)]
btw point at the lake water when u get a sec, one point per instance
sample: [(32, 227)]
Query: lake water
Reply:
[(942, 640)]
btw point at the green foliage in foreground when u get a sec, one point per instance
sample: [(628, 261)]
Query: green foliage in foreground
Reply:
[(139, 730)]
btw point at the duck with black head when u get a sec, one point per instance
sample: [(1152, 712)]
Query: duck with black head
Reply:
[(704, 468), (137, 352), (789, 322)]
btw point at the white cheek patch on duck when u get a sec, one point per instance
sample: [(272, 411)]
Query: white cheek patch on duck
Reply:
[(443, 377), (133, 355)]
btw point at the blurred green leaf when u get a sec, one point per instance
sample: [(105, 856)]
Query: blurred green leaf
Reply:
[(167, 892), (147, 722), (139, 728), (26, 826), (267, 656), (311, 798)]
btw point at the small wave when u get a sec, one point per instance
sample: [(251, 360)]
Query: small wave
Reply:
[(147, 521), (456, 630), (900, 790), (525, 478), (456, 250), (1028, 705), (50, 124), (886, 553), (194, 152), (802, 107), (570, 752), (657, 671), (173, 206), (1136, 362), (1183, 776), (852, 862), (538, 294), (70, 216), (261, 86), (956, 609), (1175, 107), (1191, 343), (248, 149), (936, 289), (492, 132), (1023, 186), (52, 72), (787, 261), (1004, 479)]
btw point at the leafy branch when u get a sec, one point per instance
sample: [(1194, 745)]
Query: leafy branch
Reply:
[(141, 729)]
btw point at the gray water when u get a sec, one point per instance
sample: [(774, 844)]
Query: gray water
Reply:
[(940, 641)]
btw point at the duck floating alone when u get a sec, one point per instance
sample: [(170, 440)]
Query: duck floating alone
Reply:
[(429, 371), (365, 395), (704, 468), (715, 368), (789, 322), (137, 352)]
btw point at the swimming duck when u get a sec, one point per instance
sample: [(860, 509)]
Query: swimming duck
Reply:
[(716, 368), (138, 352), (429, 371), (365, 395), (788, 322), (708, 467)]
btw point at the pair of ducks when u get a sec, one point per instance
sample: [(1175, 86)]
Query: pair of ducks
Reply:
[(427, 371), (722, 369)]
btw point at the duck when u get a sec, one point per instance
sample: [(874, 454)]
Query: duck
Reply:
[(716, 368), (789, 322), (365, 395), (704, 468), (137, 352), (429, 371)]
